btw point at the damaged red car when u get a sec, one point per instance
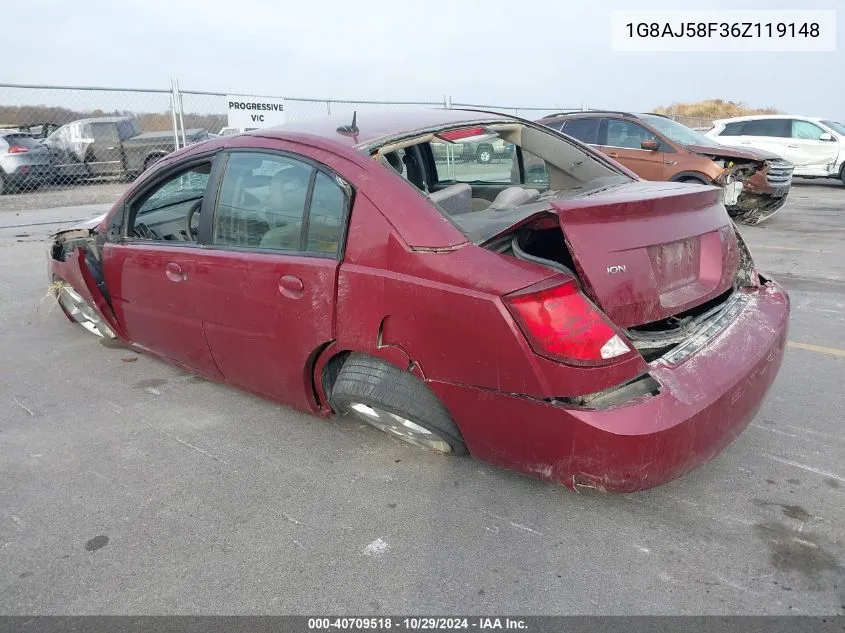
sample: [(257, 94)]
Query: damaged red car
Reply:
[(547, 311)]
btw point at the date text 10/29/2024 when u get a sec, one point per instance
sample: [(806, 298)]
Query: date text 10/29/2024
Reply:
[(417, 624)]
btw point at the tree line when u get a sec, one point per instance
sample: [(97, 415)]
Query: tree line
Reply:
[(147, 121)]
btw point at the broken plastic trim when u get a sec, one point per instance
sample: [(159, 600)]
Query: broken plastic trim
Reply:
[(702, 337), (645, 340), (639, 387)]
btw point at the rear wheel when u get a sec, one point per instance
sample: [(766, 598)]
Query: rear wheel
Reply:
[(484, 154), (395, 402), (842, 174)]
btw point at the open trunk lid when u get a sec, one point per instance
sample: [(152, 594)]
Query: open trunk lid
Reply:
[(645, 252)]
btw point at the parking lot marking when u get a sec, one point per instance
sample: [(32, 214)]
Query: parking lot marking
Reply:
[(790, 248), (818, 471), (833, 351)]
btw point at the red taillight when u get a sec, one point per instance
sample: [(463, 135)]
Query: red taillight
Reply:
[(562, 324), (18, 149)]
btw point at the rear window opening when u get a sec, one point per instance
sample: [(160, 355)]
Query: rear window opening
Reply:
[(491, 175)]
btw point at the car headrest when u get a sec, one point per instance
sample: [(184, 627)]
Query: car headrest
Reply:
[(513, 197)]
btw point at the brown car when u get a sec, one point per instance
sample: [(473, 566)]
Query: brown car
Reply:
[(756, 183)]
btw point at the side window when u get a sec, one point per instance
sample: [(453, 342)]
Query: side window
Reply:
[(262, 202), (806, 130), (104, 133), (490, 160), (170, 212), (626, 134), (325, 215), (766, 127), (732, 129), (125, 130), (585, 130)]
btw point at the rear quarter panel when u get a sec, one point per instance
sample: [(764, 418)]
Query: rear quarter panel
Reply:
[(444, 311)]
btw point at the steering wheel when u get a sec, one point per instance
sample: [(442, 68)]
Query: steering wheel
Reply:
[(191, 232)]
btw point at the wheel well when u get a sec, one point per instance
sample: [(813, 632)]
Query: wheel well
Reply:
[(151, 158), (330, 371), (692, 177)]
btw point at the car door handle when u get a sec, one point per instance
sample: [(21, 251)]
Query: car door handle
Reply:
[(291, 286), (613, 154), (174, 272), (745, 142), (792, 146)]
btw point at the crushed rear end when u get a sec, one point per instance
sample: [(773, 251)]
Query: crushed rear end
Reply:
[(675, 300)]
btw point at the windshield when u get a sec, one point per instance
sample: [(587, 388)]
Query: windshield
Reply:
[(676, 131), (835, 126)]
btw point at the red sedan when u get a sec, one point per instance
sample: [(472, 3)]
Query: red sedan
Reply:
[(547, 311)]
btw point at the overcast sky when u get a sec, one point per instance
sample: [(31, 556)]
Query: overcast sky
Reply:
[(546, 52)]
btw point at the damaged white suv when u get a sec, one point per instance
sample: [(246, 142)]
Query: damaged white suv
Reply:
[(815, 146)]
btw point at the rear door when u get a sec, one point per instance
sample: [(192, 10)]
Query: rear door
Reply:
[(106, 153), (771, 135), (152, 273), (645, 253), (268, 275), (621, 140), (807, 151)]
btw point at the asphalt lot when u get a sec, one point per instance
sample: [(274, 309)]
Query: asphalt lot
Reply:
[(134, 488)]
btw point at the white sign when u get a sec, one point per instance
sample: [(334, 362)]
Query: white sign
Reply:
[(254, 112)]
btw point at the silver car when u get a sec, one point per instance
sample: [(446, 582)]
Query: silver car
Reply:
[(24, 163)]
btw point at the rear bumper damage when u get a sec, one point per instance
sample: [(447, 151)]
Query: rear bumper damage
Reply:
[(650, 439)]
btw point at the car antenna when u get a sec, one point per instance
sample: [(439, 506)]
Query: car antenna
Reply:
[(352, 129)]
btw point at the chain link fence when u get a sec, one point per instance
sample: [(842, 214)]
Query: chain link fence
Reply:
[(58, 137)]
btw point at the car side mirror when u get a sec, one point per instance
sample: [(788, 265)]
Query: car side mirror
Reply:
[(650, 145), (826, 136)]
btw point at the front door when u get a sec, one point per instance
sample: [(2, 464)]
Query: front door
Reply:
[(151, 274), (106, 153), (267, 278), (769, 134), (808, 152), (622, 140)]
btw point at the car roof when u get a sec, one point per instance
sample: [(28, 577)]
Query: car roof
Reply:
[(103, 119), (375, 126), (754, 117), (589, 113)]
